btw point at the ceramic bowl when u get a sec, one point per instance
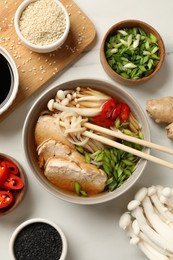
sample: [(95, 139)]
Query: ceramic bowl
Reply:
[(35, 234), (131, 24), (10, 78), (30, 147), (17, 194), (46, 47)]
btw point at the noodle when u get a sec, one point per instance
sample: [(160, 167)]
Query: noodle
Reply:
[(72, 127)]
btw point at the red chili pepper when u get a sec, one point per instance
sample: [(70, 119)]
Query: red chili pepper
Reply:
[(116, 111), (13, 182), (3, 174), (11, 167), (102, 121), (6, 198), (108, 107), (124, 114)]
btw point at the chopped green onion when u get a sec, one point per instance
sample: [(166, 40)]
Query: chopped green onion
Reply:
[(87, 158), (77, 187), (132, 53)]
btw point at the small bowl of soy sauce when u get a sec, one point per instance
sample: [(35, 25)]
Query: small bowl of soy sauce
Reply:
[(9, 80), (38, 238)]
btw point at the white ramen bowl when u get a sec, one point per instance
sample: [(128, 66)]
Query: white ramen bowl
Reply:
[(41, 48), (30, 147)]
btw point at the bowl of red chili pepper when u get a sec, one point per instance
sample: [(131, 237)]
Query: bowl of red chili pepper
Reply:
[(12, 184)]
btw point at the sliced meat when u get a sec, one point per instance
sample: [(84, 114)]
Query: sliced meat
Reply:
[(50, 148), (63, 173), (63, 165), (47, 128)]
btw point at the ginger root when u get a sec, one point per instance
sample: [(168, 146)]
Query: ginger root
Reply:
[(169, 129), (161, 111)]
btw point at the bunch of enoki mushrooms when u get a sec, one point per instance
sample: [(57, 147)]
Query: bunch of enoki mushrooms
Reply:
[(149, 222)]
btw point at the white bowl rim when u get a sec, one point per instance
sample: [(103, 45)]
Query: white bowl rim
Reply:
[(40, 48), (94, 199), (14, 90), (35, 220)]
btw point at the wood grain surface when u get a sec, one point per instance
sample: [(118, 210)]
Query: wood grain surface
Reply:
[(35, 69)]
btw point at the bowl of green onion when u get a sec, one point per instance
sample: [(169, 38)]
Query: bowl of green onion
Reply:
[(132, 52)]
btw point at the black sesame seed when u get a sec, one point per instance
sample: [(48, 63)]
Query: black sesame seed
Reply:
[(38, 241)]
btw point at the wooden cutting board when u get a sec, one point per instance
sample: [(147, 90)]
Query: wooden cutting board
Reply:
[(35, 69)]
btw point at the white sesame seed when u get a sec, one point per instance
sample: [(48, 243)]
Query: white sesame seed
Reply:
[(46, 24)]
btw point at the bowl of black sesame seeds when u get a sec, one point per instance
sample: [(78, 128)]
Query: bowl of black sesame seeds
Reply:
[(38, 238), (42, 25)]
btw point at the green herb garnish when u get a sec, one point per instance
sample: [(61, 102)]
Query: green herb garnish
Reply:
[(78, 190), (132, 53)]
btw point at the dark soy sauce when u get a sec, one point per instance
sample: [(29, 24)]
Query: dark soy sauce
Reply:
[(6, 79)]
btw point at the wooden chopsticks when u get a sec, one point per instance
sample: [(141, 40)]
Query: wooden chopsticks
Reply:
[(122, 136), (123, 147), (127, 149)]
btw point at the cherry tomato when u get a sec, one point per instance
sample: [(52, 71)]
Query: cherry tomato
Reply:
[(6, 198), (3, 174), (116, 111), (102, 121), (13, 182), (11, 167), (124, 114), (108, 107)]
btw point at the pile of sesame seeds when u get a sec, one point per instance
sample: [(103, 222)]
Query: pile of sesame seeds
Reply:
[(40, 67), (42, 22)]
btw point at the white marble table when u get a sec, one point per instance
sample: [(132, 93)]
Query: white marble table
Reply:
[(92, 231)]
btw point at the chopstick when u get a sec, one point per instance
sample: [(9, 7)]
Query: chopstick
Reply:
[(127, 149), (122, 136), (123, 147)]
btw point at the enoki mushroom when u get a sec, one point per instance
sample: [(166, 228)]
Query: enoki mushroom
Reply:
[(70, 124), (149, 222)]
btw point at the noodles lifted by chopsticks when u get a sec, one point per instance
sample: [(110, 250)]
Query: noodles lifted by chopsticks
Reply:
[(70, 124)]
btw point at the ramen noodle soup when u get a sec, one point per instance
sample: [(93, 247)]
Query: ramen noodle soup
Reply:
[(74, 145)]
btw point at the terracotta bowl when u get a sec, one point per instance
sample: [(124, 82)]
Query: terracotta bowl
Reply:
[(18, 194), (131, 24), (30, 146)]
